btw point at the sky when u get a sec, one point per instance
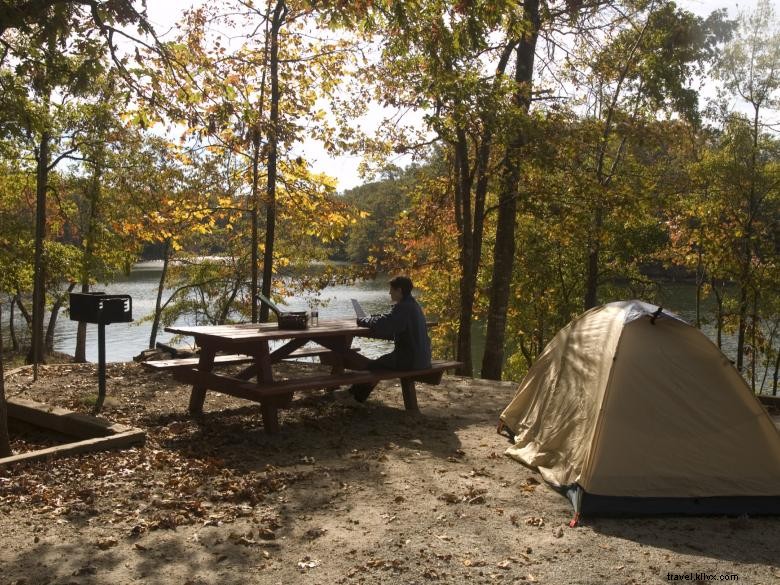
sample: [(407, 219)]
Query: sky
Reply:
[(163, 14)]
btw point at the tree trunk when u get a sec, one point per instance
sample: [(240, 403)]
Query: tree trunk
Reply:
[(700, 276), (55, 312), (776, 374), (80, 353), (718, 315), (594, 249), (5, 439), (753, 342), (466, 245), (23, 310), (39, 279), (160, 290), (12, 325), (253, 216), (747, 245), (471, 224), (742, 326), (280, 11), (224, 312), (504, 250), (87, 262)]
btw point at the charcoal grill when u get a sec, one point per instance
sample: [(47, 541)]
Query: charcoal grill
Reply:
[(101, 309)]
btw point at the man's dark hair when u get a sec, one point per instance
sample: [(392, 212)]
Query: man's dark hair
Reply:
[(404, 283)]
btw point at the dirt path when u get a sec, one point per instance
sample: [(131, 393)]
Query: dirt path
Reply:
[(346, 493)]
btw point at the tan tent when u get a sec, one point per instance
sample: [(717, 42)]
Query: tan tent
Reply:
[(631, 410)]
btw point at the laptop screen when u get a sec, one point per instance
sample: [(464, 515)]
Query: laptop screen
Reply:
[(358, 309)]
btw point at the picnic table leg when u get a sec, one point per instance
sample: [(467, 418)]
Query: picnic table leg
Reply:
[(198, 395), (269, 408), (410, 394)]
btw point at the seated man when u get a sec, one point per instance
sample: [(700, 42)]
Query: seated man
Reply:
[(405, 325)]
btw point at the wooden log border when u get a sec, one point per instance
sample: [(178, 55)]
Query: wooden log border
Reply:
[(94, 433)]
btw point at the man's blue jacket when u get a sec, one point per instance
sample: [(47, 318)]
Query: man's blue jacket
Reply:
[(405, 325)]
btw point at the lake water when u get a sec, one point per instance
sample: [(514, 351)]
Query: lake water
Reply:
[(125, 340)]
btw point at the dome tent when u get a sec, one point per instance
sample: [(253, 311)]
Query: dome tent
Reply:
[(629, 410)]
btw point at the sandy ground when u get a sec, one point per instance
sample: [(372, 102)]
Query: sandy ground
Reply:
[(346, 493)]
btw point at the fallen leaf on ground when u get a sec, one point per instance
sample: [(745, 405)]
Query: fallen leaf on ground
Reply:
[(313, 533), (450, 498), (85, 570), (308, 563), (534, 521), (529, 484), (107, 543)]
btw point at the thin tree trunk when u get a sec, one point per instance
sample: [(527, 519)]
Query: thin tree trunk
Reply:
[(699, 281), (254, 213), (718, 315), (753, 342), (12, 325), (80, 355), (776, 374), (253, 216), (465, 225), (273, 141), (160, 290), (504, 250), (55, 312), (223, 314), (5, 439), (23, 310), (742, 326), (747, 247), (594, 250), (39, 279)]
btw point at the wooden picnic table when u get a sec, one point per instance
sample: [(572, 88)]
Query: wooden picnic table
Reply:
[(252, 341)]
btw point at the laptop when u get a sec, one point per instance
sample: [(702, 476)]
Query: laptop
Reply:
[(358, 309)]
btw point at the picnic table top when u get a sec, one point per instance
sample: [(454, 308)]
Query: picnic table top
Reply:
[(269, 331)]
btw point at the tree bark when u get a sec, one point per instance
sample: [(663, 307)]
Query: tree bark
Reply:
[(253, 216), (23, 310), (5, 439), (504, 250), (718, 315), (87, 263), (747, 246), (594, 251), (39, 279), (471, 224), (466, 245), (160, 290), (12, 325), (280, 11), (55, 312)]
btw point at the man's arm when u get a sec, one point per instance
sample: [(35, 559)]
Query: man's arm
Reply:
[(387, 325)]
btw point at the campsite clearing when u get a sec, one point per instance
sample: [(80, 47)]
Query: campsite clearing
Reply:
[(346, 493)]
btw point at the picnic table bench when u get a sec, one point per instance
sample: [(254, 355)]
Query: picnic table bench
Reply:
[(230, 359), (249, 343)]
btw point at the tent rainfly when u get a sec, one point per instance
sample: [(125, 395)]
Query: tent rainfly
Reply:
[(631, 411)]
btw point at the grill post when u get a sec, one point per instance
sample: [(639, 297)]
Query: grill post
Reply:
[(101, 309), (101, 367)]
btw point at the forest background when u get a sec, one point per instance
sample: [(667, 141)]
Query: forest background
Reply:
[(561, 154)]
